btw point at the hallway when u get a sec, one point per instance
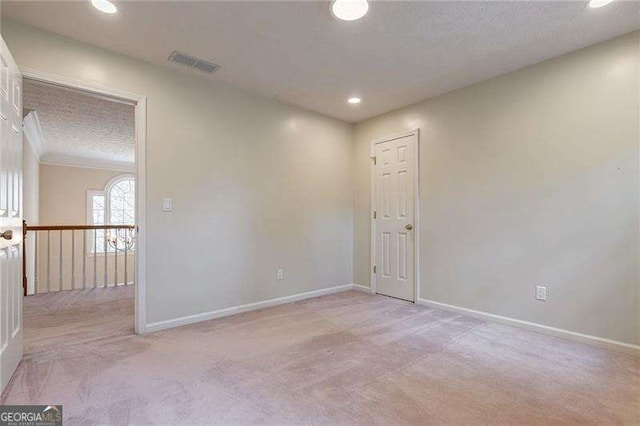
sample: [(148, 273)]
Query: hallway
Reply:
[(63, 320)]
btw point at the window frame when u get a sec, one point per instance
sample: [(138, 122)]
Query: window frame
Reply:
[(107, 195), (107, 212), (89, 236)]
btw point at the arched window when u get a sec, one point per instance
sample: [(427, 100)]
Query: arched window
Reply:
[(113, 205), (121, 201)]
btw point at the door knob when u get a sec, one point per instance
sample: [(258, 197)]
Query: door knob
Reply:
[(7, 235), (409, 227)]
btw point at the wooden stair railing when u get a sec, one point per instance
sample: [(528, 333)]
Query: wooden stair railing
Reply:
[(119, 244)]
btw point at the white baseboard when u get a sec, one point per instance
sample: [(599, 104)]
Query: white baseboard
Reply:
[(205, 316), (362, 288), (532, 326)]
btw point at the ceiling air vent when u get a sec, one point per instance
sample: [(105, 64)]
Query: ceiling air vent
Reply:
[(192, 62)]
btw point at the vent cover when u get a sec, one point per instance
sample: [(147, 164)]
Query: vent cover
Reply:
[(193, 62)]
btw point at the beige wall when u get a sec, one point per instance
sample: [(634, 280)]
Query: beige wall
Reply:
[(528, 178), (256, 185), (30, 201), (63, 192)]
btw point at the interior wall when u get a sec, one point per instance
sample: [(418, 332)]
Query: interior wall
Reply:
[(530, 178), (63, 192), (256, 185), (30, 202)]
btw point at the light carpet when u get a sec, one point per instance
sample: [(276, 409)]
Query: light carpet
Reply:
[(346, 358)]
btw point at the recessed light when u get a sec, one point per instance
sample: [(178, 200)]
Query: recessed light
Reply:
[(349, 10), (599, 3), (354, 100), (104, 6)]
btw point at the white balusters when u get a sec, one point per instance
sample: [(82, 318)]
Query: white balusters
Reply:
[(117, 246)]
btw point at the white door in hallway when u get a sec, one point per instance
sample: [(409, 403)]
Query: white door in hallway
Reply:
[(10, 216), (394, 216)]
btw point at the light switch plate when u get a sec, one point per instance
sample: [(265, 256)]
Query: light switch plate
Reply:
[(167, 205), (541, 293)]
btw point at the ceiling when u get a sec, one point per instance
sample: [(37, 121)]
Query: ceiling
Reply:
[(81, 129), (398, 54)]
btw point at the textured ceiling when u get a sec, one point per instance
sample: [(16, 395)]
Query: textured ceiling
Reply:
[(398, 54), (81, 129)]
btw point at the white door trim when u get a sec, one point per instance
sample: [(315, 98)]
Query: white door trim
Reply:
[(416, 227), (140, 103)]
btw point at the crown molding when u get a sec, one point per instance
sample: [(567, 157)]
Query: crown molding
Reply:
[(33, 133), (52, 159)]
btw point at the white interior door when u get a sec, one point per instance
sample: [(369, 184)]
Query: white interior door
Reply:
[(394, 216), (10, 216)]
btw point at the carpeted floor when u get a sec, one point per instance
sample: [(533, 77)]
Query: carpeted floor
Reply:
[(348, 358)]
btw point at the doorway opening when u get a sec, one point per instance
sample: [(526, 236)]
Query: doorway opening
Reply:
[(83, 192)]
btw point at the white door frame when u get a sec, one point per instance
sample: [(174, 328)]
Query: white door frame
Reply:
[(416, 226), (140, 102)]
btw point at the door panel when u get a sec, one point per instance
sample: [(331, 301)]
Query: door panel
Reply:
[(16, 167), (5, 101), (4, 162), (16, 276), (386, 255), (4, 300), (394, 205), (16, 94), (10, 215), (4, 78)]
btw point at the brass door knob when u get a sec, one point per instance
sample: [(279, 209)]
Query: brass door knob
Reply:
[(7, 235), (409, 227)]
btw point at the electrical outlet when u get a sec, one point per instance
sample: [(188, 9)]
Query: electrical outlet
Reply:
[(541, 293), (280, 274)]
